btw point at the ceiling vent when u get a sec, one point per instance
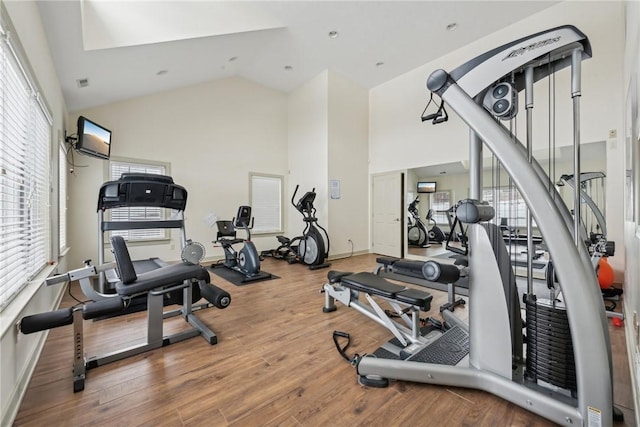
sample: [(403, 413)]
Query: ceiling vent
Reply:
[(83, 82)]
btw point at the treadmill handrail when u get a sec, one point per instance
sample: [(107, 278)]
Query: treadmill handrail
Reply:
[(142, 190)]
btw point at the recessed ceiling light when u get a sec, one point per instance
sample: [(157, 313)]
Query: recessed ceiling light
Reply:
[(452, 26), (288, 67), (233, 58), (161, 72), (333, 34), (379, 64)]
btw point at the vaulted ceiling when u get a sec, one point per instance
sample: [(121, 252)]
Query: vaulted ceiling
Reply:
[(107, 51)]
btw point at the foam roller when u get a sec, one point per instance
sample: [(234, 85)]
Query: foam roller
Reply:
[(216, 296), (441, 273), (43, 321)]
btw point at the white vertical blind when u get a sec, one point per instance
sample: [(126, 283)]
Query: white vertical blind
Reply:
[(138, 213), (266, 203), (25, 136)]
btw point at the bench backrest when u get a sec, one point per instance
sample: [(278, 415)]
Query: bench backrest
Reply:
[(123, 260)]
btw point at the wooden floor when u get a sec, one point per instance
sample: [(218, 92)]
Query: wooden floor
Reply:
[(275, 364)]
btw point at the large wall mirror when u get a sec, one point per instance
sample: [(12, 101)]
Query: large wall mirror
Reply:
[(433, 190)]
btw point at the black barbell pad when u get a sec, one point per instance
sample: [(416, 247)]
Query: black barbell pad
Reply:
[(43, 321), (216, 296)]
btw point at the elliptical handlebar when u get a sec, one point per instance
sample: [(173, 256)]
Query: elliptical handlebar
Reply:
[(244, 220), (294, 196), (413, 207), (305, 204)]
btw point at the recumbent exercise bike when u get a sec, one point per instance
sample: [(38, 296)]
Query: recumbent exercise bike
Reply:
[(245, 261)]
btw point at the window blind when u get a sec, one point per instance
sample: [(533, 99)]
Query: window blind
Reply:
[(266, 203), (508, 203), (62, 198), (440, 201), (116, 169), (25, 135)]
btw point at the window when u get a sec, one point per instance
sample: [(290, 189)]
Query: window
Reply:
[(116, 169), (25, 140), (509, 205), (62, 198), (440, 202), (266, 203)]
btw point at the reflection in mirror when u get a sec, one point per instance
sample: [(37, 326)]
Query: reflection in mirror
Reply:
[(452, 185)]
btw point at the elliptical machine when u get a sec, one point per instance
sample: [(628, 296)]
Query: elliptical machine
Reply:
[(435, 234), (417, 234), (245, 261), (309, 248)]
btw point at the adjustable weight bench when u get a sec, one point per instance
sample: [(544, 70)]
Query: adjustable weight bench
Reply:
[(406, 302), (154, 284), (431, 274)]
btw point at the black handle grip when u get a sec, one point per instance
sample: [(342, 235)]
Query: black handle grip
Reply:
[(341, 334)]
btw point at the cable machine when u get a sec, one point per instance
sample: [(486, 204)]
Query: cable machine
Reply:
[(565, 373)]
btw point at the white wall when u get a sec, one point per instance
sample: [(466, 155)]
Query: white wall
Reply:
[(19, 353), (212, 134), (632, 235), (328, 140), (308, 137), (348, 163), (399, 140)]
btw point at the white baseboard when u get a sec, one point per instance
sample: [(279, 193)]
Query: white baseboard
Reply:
[(347, 255)]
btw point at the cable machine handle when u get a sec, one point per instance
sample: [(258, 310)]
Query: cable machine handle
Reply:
[(440, 116)]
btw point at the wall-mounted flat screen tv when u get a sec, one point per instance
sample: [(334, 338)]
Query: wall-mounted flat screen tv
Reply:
[(426, 187), (93, 139)]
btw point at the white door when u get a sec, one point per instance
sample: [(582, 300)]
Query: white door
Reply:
[(387, 214)]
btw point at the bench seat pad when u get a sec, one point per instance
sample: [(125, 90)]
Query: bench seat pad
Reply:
[(375, 285), (372, 284), (162, 277), (416, 297), (335, 276)]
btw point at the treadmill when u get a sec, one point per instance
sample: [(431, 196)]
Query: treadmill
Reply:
[(139, 190)]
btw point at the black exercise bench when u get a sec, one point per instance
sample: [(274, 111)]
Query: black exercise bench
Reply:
[(347, 287), (430, 274), (176, 278)]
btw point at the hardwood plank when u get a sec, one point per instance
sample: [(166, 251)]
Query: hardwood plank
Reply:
[(275, 364)]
